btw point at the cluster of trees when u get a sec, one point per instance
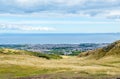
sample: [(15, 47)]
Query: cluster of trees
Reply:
[(66, 52)]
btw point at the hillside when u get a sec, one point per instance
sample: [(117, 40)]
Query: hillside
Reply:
[(111, 50), (23, 52), (20, 64)]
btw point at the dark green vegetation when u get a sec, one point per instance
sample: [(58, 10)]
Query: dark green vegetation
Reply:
[(58, 52), (110, 50), (23, 52), (75, 53), (65, 52)]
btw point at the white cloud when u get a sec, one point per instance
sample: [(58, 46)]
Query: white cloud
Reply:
[(24, 28), (46, 2), (48, 8), (27, 3), (64, 22)]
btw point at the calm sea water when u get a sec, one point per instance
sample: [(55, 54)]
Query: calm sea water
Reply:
[(57, 38)]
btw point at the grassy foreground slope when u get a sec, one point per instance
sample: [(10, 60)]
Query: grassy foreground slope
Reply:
[(15, 66), (21, 64)]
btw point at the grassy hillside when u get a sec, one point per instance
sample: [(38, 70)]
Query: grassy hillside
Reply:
[(15, 66), (32, 65), (110, 50), (23, 52)]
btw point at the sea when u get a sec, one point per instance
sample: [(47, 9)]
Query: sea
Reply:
[(59, 38)]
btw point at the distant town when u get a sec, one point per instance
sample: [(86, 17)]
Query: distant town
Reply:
[(61, 49)]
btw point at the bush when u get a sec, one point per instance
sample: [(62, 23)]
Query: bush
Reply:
[(47, 56)]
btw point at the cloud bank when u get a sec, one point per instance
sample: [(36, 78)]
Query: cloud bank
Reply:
[(24, 28), (93, 8)]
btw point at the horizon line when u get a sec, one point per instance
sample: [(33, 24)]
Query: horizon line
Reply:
[(67, 33)]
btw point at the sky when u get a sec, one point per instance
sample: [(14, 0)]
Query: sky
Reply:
[(59, 16)]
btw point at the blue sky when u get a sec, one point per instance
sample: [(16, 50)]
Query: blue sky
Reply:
[(59, 16)]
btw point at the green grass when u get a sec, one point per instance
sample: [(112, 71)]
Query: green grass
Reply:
[(15, 71), (75, 53)]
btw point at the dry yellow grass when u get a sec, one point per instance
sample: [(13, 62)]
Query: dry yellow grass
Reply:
[(104, 66)]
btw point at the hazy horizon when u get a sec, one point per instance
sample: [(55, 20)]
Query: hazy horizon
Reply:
[(66, 33)]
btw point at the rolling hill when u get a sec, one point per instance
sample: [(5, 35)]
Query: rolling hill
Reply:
[(111, 50), (20, 64)]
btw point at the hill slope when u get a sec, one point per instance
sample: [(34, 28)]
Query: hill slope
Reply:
[(16, 64), (23, 52), (110, 50)]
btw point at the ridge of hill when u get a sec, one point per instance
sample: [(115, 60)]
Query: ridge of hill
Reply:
[(111, 50)]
